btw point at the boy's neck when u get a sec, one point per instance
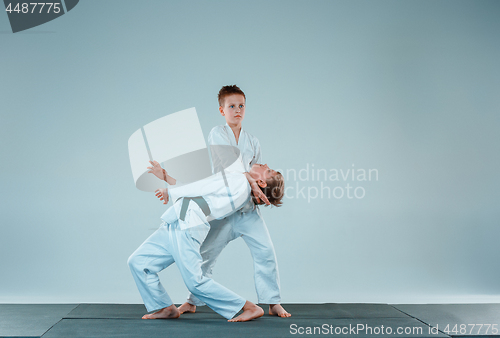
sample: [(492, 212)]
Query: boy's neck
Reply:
[(236, 128)]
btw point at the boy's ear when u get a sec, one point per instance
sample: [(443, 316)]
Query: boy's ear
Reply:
[(262, 183), (221, 110)]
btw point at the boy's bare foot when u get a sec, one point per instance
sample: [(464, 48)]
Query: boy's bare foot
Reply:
[(250, 311), (170, 312), (278, 310), (187, 308)]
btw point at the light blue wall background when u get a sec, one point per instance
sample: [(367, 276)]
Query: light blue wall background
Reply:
[(410, 88)]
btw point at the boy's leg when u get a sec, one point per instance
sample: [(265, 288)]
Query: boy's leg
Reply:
[(146, 262), (219, 235), (187, 256), (252, 227)]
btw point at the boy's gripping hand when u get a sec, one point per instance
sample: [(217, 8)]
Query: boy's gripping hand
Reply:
[(156, 170), (162, 194), (259, 195), (256, 191)]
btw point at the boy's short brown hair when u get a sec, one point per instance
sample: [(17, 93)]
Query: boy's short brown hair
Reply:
[(274, 191), (229, 90)]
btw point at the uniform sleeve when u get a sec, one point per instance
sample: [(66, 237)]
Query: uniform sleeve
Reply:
[(217, 137), (232, 198), (239, 188), (223, 200), (257, 155), (195, 188)]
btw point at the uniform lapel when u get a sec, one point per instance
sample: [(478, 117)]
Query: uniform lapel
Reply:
[(232, 138)]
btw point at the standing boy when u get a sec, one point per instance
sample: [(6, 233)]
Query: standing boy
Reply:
[(247, 222)]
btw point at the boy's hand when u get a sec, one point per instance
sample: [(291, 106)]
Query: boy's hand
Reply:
[(256, 191), (162, 194), (156, 170), (259, 195)]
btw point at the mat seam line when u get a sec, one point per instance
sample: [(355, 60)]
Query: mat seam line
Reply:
[(429, 325)]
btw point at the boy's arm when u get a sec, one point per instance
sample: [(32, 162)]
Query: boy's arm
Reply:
[(217, 137), (258, 154), (234, 184), (198, 188), (231, 197), (256, 190), (222, 199), (161, 173), (162, 194)]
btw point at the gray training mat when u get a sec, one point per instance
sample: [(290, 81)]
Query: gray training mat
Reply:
[(123, 320), (343, 310), (219, 328), (444, 316), (328, 310), (30, 320), (130, 311)]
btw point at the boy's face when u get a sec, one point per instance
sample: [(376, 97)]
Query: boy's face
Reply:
[(261, 173), (233, 109)]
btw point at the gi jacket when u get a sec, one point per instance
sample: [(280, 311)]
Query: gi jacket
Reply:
[(224, 193)]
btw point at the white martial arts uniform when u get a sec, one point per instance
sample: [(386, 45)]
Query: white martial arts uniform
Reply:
[(179, 238), (246, 223)]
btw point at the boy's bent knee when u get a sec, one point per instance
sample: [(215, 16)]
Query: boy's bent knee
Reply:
[(194, 285), (133, 262), (265, 256)]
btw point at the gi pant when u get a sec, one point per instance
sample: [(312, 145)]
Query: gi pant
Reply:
[(167, 245), (248, 224)]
